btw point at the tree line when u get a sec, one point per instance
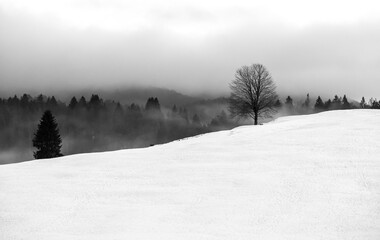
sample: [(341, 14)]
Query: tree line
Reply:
[(94, 124), (337, 103), (99, 125)]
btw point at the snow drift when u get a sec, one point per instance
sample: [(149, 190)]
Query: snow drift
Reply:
[(300, 177)]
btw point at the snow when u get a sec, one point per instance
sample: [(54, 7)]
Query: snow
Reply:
[(299, 177)]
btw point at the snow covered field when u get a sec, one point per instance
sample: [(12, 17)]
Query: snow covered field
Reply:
[(300, 177)]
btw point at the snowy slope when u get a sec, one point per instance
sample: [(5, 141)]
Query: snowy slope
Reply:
[(301, 177)]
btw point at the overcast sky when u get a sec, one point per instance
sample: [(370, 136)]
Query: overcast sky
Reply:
[(324, 47)]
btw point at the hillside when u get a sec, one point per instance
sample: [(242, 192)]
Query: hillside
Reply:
[(300, 177), (138, 95)]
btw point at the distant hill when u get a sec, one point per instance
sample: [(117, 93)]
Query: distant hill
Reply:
[(138, 95)]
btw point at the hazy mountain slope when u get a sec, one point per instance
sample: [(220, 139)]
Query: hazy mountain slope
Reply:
[(140, 95), (137, 95), (301, 177)]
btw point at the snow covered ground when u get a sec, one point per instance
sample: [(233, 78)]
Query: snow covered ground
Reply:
[(300, 177)]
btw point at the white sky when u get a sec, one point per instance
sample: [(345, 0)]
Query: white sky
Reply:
[(119, 15), (193, 41)]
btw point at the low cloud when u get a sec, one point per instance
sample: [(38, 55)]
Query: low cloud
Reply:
[(41, 54)]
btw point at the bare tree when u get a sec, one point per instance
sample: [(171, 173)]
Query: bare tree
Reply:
[(253, 93)]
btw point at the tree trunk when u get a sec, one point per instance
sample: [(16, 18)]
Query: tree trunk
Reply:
[(256, 118)]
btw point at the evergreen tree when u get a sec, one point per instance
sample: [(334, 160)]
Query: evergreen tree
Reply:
[(289, 101), (374, 104), (40, 99), (363, 103), (152, 104), (25, 106), (306, 104), (118, 112), (336, 102), (345, 103), (95, 103), (24, 101), (278, 104), (328, 104), (82, 102), (134, 108), (14, 102), (52, 102), (319, 105), (289, 105), (47, 139), (73, 103)]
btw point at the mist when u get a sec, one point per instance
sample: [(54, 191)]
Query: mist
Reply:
[(181, 52), (42, 53), (95, 124)]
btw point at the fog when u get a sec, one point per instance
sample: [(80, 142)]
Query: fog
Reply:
[(129, 51), (98, 124), (192, 48)]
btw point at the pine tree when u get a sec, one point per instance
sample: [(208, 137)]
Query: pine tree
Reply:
[(289, 101), (24, 101), (319, 104), (278, 104), (118, 112), (363, 103), (40, 101), (47, 139), (328, 104), (134, 108), (73, 103), (336, 103), (345, 103), (95, 102), (374, 104), (152, 104), (82, 102), (289, 105), (51, 102)]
